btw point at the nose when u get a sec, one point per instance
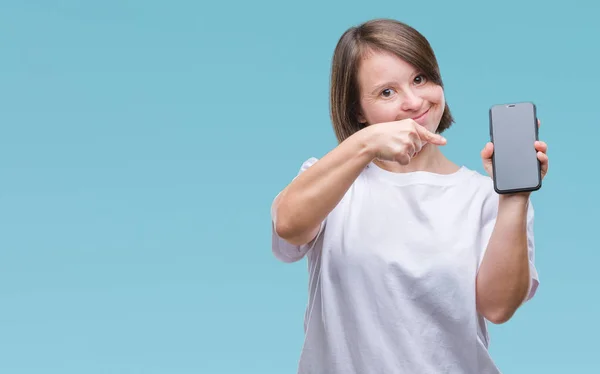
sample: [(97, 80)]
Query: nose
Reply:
[(411, 101)]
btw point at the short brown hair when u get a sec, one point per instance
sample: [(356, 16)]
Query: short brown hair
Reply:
[(375, 35)]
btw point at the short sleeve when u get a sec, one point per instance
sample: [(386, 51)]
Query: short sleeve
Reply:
[(534, 278), (283, 250)]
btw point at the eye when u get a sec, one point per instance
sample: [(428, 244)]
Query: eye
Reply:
[(420, 79), (388, 92)]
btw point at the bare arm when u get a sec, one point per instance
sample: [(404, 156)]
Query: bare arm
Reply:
[(305, 203), (503, 278)]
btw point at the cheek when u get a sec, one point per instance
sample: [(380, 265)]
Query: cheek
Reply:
[(382, 111), (435, 94)]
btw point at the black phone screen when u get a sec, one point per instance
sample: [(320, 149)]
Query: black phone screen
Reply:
[(513, 131)]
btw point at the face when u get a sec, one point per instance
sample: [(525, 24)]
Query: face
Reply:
[(393, 90)]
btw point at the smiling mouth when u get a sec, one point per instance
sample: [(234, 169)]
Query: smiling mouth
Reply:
[(420, 115)]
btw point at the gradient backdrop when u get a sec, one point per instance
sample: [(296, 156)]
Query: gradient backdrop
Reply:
[(141, 144)]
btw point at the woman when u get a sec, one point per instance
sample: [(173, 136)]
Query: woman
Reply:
[(409, 254)]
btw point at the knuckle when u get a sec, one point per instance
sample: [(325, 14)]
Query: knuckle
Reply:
[(412, 149), (416, 138), (403, 160)]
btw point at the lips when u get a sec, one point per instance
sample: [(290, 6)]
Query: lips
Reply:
[(420, 117)]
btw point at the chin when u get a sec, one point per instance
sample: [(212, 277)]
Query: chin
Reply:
[(432, 128)]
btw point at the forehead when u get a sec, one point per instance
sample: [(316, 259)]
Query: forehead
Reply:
[(378, 65)]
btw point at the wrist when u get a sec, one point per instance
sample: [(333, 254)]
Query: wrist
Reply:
[(517, 201), (366, 144), (515, 197)]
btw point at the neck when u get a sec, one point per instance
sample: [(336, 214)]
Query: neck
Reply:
[(430, 159)]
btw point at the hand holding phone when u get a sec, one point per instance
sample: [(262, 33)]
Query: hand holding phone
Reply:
[(513, 132)]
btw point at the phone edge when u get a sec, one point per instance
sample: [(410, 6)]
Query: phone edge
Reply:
[(539, 168)]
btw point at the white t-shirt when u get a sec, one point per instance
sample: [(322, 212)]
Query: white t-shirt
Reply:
[(392, 275)]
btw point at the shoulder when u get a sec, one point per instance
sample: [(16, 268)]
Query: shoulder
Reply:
[(481, 190), (481, 182), (308, 163)]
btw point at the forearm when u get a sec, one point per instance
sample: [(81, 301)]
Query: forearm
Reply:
[(503, 277), (309, 198)]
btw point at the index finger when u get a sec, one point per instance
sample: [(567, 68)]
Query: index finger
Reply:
[(429, 137)]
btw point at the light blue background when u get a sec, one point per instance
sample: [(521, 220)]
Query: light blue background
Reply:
[(142, 142)]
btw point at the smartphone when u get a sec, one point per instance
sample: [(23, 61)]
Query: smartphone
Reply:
[(513, 131)]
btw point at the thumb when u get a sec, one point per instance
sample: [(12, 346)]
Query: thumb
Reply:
[(430, 137), (487, 151)]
